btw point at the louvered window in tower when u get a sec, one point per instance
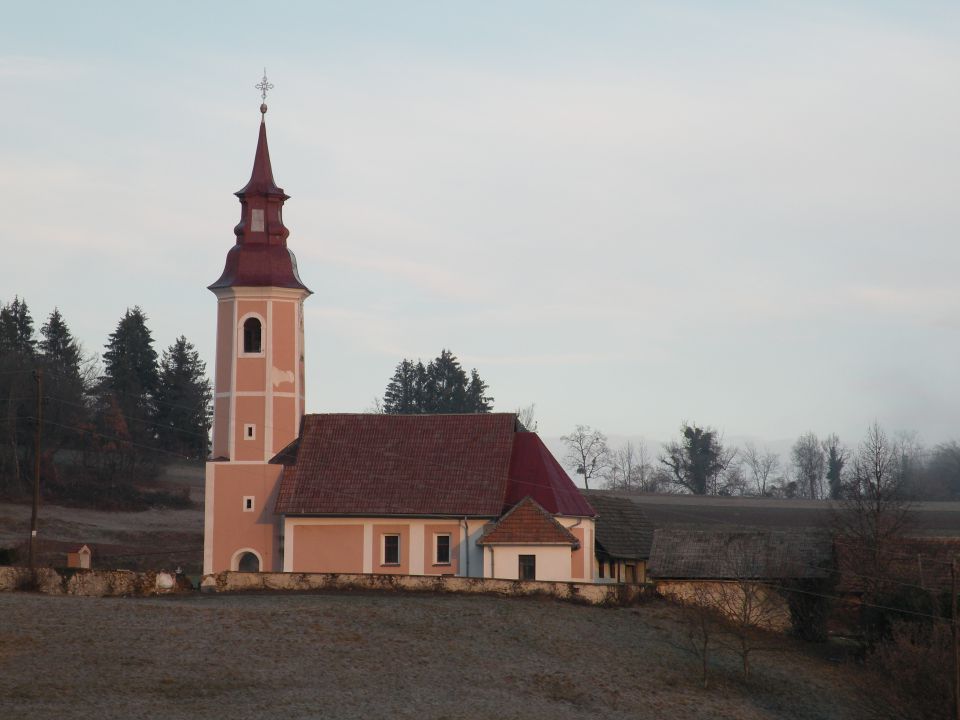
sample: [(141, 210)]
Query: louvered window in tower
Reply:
[(251, 335)]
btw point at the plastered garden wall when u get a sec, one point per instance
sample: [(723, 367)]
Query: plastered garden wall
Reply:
[(587, 593)]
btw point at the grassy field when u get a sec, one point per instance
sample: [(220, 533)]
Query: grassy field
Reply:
[(382, 656)]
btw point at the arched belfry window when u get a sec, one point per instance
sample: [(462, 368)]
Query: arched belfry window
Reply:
[(251, 335)]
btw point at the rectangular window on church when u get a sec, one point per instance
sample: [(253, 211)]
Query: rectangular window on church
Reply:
[(248, 503), (442, 554), (256, 221), (391, 549)]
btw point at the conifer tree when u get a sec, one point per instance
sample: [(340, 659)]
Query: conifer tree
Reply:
[(64, 383), (183, 401), (16, 330), (442, 386), (17, 351), (131, 374)]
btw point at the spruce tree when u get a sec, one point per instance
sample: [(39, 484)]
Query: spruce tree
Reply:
[(442, 386), (183, 401), (400, 397), (16, 330), (17, 393), (64, 384), (477, 399), (131, 374)]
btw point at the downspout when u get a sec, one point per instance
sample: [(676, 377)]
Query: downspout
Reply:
[(466, 547)]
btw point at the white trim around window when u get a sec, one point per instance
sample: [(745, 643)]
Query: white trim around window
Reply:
[(249, 503)]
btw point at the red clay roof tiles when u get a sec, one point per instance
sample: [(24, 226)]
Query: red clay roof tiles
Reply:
[(528, 524), (369, 464), (399, 465)]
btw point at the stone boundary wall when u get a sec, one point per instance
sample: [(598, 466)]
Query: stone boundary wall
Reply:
[(90, 583), (586, 593), (119, 583)]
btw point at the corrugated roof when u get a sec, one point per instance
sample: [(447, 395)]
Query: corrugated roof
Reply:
[(399, 465), (752, 554), (622, 528), (528, 524)]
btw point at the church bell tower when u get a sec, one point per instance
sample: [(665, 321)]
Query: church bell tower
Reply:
[(259, 375)]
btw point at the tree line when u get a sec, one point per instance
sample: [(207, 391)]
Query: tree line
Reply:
[(700, 463), (109, 423)]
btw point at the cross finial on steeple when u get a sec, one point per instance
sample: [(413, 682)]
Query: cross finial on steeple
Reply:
[(263, 86)]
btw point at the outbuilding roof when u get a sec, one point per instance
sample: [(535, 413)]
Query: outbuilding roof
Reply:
[(622, 528), (373, 464), (527, 523), (749, 554)]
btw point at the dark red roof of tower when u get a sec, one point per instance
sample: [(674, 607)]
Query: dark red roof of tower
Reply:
[(528, 524), (260, 257), (535, 472)]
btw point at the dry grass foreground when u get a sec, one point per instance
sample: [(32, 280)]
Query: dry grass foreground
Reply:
[(379, 656)]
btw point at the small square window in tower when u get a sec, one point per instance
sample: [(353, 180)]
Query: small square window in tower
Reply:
[(391, 549), (528, 567), (251, 335), (442, 555)]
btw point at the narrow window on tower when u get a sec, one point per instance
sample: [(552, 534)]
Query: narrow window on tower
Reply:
[(251, 335), (249, 432), (248, 503)]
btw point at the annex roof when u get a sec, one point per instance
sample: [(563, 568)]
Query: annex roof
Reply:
[(622, 528), (527, 523), (744, 554)]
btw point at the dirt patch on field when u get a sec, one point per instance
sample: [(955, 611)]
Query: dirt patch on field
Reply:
[(353, 655)]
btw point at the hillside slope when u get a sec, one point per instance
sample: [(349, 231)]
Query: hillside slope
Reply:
[(382, 656)]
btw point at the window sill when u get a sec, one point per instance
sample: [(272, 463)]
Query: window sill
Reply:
[(389, 564), (443, 565)]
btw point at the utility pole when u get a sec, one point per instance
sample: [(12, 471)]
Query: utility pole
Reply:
[(38, 379), (956, 638)]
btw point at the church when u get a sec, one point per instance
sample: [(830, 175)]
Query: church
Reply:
[(466, 495)]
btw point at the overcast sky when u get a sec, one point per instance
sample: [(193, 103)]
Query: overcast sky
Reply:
[(631, 214)]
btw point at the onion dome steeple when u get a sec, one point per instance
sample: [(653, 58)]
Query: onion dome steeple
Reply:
[(260, 257)]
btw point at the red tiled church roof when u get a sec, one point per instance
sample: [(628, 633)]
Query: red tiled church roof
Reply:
[(528, 524), (419, 465)]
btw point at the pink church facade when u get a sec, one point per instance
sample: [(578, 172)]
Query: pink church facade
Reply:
[(469, 495)]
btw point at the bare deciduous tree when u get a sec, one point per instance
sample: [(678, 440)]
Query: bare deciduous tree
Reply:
[(809, 464), (630, 468), (874, 513), (587, 452), (762, 466), (526, 416)]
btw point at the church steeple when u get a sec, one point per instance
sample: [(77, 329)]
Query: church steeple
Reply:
[(260, 257)]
